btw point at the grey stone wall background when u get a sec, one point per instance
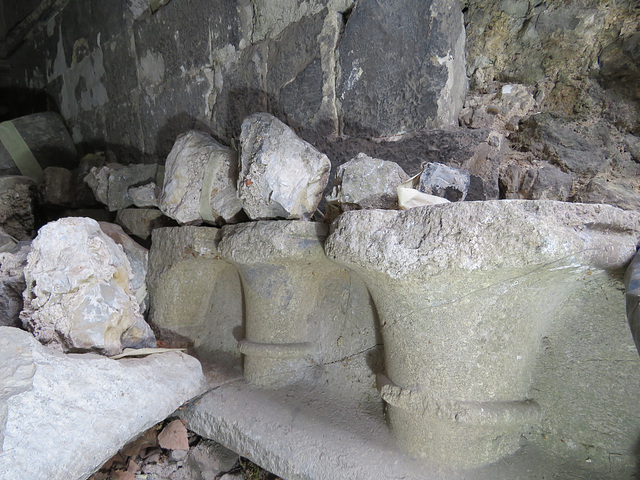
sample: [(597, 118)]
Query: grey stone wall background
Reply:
[(130, 76)]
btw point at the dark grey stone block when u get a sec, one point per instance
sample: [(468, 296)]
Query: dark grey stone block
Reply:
[(393, 59)]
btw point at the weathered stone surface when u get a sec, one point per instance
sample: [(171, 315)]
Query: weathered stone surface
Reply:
[(56, 188), (301, 310), (622, 193), (459, 262), (405, 61), (281, 175), (588, 354), (138, 257), (200, 181), (544, 183), (443, 181), (365, 182), (111, 183), (560, 38), (47, 138), (144, 195), (16, 206), (40, 385), (79, 295), (140, 222), (195, 297), (481, 151), (632, 285), (567, 145), (500, 110), (12, 263)]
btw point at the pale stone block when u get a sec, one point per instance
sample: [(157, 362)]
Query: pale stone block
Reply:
[(78, 293), (281, 175), (465, 292), (200, 181), (62, 416)]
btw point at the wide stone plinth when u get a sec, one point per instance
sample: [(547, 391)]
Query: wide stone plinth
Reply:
[(301, 310), (465, 293), (195, 296)]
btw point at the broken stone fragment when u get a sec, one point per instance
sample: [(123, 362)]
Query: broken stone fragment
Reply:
[(144, 195), (174, 436), (111, 183), (281, 175), (12, 263), (63, 405), (443, 181), (544, 183), (500, 110), (138, 257), (200, 181), (16, 206), (78, 293), (140, 222), (365, 182)]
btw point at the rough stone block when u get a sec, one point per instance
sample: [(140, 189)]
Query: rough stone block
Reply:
[(111, 183), (365, 182), (144, 195), (64, 405), (12, 284), (405, 61), (200, 181), (138, 257), (47, 138), (490, 277), (443, 181), (140, 222), (195, 297), (17, 196), (281, 176), (78, 293)]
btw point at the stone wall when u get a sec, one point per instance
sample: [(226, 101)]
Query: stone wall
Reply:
[(128, 77), (132, 78)]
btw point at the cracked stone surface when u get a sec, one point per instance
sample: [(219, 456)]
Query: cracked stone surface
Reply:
[(78, 410)]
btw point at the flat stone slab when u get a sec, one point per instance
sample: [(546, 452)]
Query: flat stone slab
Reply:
[(306, 432), (62, 416)]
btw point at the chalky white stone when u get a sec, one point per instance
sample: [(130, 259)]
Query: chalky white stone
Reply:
[(78, 291), (281, 175), (62, 416), (200, 181)]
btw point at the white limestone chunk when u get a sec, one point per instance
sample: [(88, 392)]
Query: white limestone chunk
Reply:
[(200, 181), (281, 175), (78, 293)]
